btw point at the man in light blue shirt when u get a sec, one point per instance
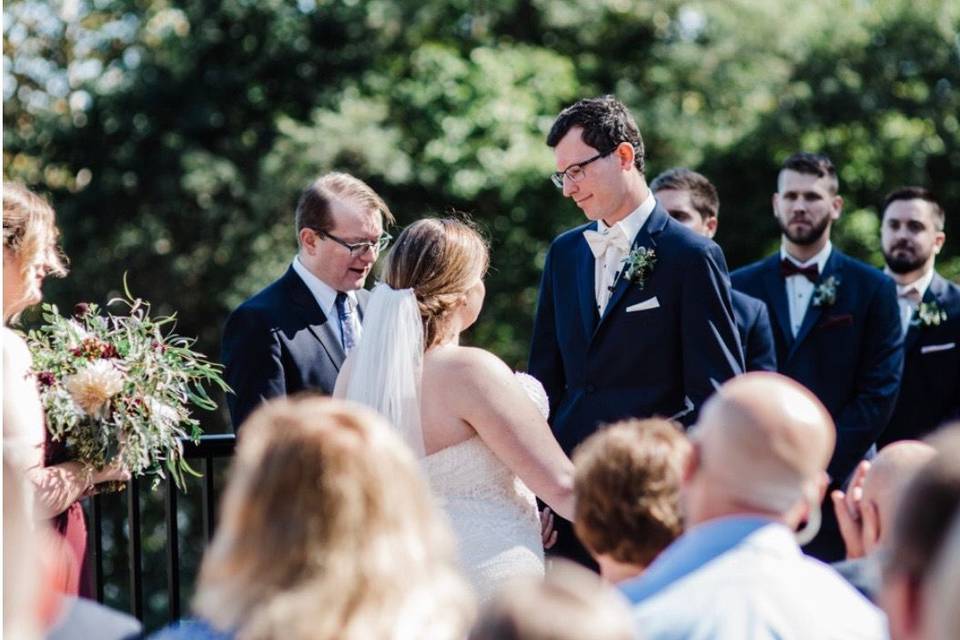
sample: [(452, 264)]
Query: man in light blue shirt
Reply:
[(757, 471)]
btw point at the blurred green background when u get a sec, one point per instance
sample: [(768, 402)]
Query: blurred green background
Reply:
[(173, 136)]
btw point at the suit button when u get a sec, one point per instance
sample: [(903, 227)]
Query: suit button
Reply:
[(591, 388)]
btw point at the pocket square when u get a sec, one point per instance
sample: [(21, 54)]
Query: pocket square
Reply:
[(646, 305), (933, 348), (844, 320)]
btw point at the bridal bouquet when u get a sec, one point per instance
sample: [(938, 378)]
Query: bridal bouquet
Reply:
[(121, 386)]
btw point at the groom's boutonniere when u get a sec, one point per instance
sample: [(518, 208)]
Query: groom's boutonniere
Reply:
[(826, 292), (638, 264), (928, 314)]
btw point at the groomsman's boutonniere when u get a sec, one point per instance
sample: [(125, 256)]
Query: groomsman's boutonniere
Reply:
[(638, 264), (928, 314), (826, 292)]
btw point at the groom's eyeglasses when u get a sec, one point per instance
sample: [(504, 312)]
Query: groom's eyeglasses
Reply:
[(359, 248), (575, 171)]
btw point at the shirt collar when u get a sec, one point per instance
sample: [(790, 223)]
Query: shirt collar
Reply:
[(631, 225), (820, 259), (921, 284), (324, 294)]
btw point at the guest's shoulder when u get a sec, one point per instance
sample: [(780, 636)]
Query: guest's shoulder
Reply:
[(270, 297), (860, 269), (747, 302)]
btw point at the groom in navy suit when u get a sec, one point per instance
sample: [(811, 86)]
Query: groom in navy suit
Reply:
[(836, 322), (634, 316), (912, 236), (294, 335)]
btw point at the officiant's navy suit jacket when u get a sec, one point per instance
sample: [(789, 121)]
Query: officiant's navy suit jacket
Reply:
[(279, 342), (849, 353), (756, 335), (930, 391), (658, 350)]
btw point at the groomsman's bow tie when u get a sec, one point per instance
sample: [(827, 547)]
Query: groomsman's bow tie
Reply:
[(789, 268), (912, 294), (600, 242)]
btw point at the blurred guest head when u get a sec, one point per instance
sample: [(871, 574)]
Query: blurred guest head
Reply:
[(806, 203), (889, 472), (627, 487), (599, 157), (444, 261), (925, 510), (30, 251), (944, 589), (570, 603), (340, 222), (328, 531), (689, 198), (761, 446), (912, 232)]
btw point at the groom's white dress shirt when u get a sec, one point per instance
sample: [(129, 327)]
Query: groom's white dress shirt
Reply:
[(326, 297), (611, 244), (799, 289)]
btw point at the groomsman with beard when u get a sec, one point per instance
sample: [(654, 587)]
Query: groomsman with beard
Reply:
[(912, 236), (295, 334), (692, 200), (836, 322), (634, 316)]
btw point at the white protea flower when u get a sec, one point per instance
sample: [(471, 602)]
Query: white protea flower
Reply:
[(162, 413), (94, 385)]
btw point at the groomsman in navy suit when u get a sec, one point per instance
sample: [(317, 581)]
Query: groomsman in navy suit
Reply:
[(692, 200), (912, 236), (294, 334), (634, 316), (836, 321)]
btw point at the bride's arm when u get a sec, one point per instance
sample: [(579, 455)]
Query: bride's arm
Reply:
[(488, 397)]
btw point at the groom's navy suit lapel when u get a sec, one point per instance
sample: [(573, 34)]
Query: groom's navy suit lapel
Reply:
[(645, 238), (586, 284)]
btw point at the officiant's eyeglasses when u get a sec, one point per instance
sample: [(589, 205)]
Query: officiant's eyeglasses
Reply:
[(575, 171), (359, 248)]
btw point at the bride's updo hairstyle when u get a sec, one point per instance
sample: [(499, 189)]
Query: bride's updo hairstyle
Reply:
[(440, 259)]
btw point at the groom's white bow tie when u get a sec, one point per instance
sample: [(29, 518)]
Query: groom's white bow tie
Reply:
[(601, 242)]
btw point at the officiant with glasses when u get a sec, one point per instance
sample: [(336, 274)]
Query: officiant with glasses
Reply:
[(294, 334)]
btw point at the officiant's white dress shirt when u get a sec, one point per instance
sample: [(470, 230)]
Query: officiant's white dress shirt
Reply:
[(326, 297), (799, 289), (608, 265)]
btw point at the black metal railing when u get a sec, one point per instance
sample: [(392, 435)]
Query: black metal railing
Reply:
[(208, 451)]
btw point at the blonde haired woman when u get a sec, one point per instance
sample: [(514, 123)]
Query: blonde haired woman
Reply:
[(327, 532), (29, 255), (459, 408)]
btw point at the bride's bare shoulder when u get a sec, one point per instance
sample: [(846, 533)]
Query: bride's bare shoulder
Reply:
[(464, 364)]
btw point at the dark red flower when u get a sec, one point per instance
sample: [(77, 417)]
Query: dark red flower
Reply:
[(46, 378), (81, 309)]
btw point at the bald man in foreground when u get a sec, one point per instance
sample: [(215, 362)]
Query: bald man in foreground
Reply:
[(758, 470), (865, 512)]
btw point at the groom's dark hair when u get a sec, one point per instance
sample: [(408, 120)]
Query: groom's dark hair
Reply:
[(606, 122)]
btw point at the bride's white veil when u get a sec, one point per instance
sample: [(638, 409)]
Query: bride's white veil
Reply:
[(386, 367)]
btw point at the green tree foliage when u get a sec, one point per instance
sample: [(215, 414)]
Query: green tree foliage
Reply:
[(174, 136)]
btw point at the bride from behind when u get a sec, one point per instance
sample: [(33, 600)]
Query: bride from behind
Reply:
[(482, 438)]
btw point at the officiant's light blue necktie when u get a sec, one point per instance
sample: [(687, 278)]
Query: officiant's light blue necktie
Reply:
[(349, 332)]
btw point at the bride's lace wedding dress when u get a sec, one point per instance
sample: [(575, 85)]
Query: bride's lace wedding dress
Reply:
[(493, 514)]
